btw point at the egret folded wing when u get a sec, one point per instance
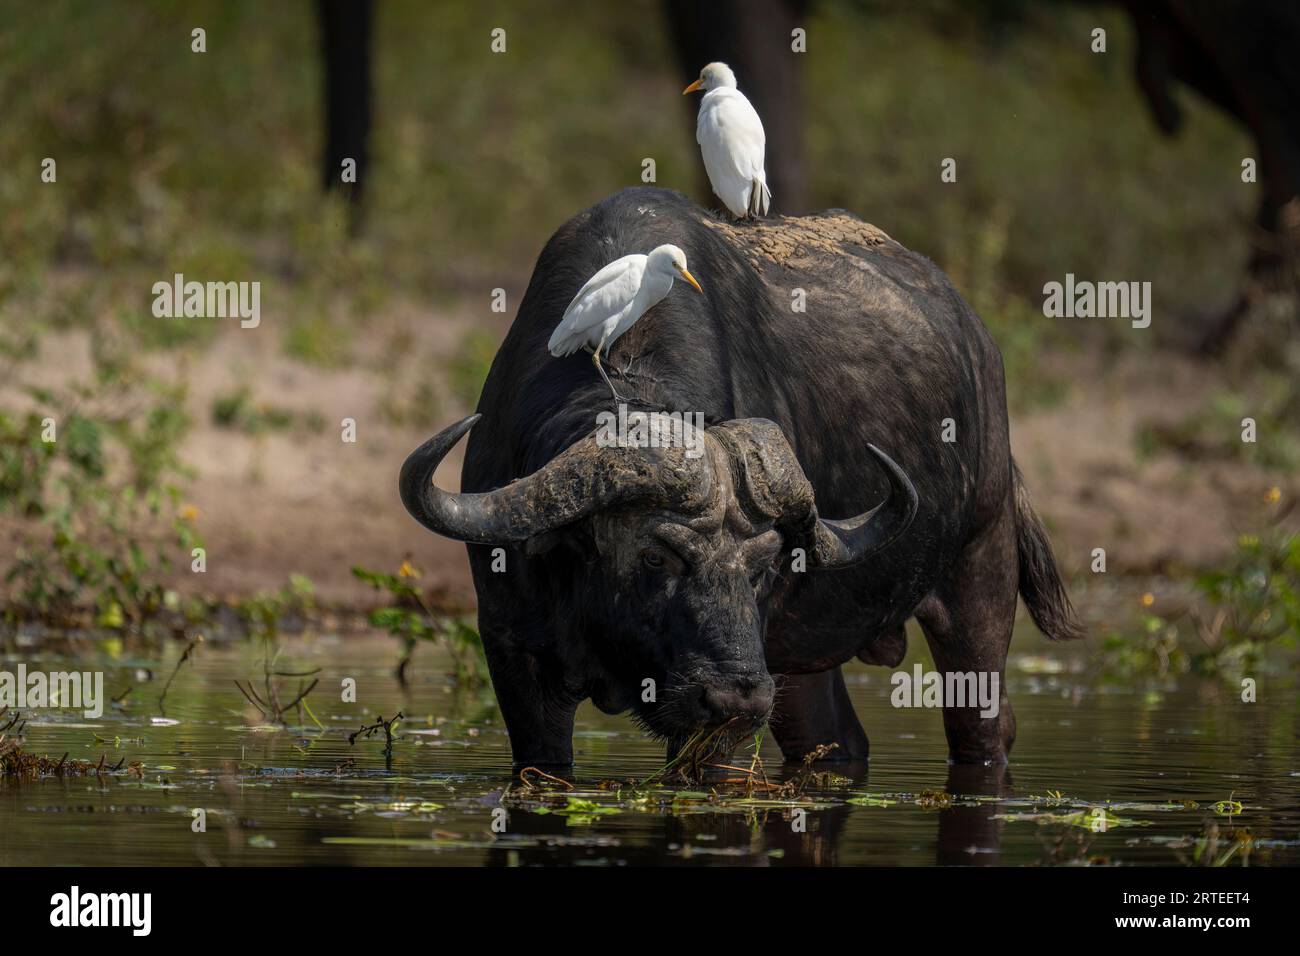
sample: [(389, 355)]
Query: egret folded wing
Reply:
[(606, 295)]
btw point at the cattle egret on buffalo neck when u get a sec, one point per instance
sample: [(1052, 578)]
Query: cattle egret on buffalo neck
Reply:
[(731, 139), (613, 299)]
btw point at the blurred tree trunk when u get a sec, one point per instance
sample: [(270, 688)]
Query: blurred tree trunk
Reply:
[(346, 26), (753, 38)]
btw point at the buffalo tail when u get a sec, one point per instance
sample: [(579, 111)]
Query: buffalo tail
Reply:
[(1040, 580)]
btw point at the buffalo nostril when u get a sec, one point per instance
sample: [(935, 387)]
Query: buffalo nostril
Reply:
[(748, 700)]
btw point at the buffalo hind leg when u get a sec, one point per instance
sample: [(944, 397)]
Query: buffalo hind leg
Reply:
[(814, 709), (968, 623)]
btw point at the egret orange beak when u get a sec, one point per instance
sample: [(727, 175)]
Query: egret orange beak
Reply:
[(686, 274), (693, 87)]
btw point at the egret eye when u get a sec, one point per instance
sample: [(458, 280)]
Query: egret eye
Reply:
[(654, 560)]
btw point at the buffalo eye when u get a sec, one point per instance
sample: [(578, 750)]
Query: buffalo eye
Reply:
[(654, 559)]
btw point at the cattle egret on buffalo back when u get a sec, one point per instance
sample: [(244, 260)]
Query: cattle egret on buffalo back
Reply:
[(613, 299), (731, 139)]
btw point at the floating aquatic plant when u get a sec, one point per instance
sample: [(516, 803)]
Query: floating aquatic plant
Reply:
[(1229, 807), (579, 812), (871, 800), (1097, 819)]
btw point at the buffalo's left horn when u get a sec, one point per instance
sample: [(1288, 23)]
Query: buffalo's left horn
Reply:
[(842, 544), (583, 479)]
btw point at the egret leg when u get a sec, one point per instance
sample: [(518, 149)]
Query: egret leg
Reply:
[(628, 371), (595, 358), (624, 370)]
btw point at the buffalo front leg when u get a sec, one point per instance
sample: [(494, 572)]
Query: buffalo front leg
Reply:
[(537, 709), (813, 709), (968, 623)]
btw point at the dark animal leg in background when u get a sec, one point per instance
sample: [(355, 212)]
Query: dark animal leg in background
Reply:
[(345, 40), (1269, 268), (1240, 65), (968, 623), (814, 709), (1222, 328)]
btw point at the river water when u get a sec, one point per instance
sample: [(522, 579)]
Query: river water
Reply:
[(1173, 774)]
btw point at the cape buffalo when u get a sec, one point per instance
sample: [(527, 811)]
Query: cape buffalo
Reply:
[(710, 590)]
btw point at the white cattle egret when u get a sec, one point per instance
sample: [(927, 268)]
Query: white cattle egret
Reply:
[(731, 138), (613, 299)]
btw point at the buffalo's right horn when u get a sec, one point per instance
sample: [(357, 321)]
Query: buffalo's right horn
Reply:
[(774, 484), (842, 544), (578, 482)]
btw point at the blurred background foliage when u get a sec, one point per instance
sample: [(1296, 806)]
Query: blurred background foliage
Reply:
[(169, 164)]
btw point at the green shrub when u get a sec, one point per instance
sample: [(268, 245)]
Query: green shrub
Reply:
[(90, 471), (409, 618), (1242, 613)]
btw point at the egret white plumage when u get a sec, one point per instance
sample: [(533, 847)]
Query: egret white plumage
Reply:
[(614, 298), (732, 141)]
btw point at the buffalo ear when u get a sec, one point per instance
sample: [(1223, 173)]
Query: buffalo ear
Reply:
[(574, 537), (540, 544)]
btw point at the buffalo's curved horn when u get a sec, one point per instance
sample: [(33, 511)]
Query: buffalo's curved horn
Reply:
[(841, 544), (581, 480), (773, 484)]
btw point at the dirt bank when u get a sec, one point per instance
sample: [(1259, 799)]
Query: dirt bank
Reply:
[(298, 499)]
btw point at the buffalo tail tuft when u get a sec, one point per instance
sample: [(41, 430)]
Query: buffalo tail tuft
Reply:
[(1040, 580)]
